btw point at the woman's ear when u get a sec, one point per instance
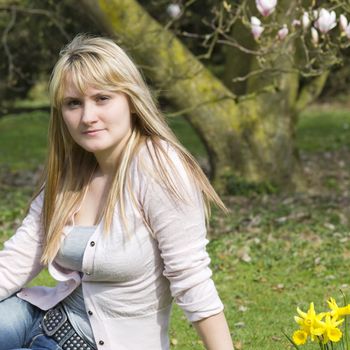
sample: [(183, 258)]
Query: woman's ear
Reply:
[(131, 105)]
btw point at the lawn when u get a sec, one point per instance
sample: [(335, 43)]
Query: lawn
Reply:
[(271, 254)]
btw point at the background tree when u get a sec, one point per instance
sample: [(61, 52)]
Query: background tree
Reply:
[(242, 98), (32, 33), (250, 135)]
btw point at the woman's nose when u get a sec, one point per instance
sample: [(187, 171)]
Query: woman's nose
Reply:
[(89, 114)]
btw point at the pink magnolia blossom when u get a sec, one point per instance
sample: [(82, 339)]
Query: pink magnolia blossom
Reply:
[(296, 23), (266, 7), (314, 36), (283, 32), (257, 28), (255, 21), (343, 21), (173, 10), (305, 20), (326, 21)]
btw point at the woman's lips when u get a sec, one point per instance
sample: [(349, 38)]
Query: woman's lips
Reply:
[(92, 132)]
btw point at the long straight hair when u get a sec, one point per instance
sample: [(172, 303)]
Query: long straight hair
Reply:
[(100, 62)]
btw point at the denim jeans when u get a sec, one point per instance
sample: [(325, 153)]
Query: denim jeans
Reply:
[(20, 326)]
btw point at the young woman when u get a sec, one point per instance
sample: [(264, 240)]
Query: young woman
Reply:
[(120, 220)]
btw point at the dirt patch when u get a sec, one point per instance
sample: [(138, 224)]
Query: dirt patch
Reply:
[(327, 173), (19, 178)]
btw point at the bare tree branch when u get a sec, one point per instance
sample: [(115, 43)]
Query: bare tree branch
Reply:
[(40, 12), (8, 54), (192, 108), (310, 92)]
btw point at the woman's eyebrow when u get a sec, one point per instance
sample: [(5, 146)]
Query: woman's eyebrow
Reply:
[(95, 94), (67, 99), (101, 92)]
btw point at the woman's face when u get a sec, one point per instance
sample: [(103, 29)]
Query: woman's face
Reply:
[(98, 120)]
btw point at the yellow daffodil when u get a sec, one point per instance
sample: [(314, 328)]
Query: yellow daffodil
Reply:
[(331, 332), (299, 337), (322, 327), (310, 322), (338, 312)]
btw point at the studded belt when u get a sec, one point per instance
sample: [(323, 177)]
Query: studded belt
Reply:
[(56, 325)]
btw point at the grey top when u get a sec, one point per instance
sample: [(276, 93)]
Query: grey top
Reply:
[(70, 256), (71, 252)]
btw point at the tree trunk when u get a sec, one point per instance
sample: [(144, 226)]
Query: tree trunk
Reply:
[(251, 140)]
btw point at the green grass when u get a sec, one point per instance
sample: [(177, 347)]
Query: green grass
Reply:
[(299, 247), (187, 136), (323, 130), (292, 263), (23, 140)]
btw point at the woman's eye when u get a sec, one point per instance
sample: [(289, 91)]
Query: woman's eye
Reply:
[(102, 98), (73, 103)]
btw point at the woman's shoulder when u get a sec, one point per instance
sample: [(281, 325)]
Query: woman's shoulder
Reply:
[(151, 146), (161, 163), (158, 155), (37, 201)]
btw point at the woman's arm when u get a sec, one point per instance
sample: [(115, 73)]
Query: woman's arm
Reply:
[(179, 228), (20, 257), (214, 332)]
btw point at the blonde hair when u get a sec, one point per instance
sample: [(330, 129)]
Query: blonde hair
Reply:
[(102, 63)]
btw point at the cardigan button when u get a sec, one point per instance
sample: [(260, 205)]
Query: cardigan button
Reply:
[(90, 312), (101, 342), (92, 243)]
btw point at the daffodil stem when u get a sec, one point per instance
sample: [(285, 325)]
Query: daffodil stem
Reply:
[(346, 330), (322, 345)]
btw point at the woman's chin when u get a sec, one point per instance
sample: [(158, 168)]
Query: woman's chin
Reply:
[(93, 148)]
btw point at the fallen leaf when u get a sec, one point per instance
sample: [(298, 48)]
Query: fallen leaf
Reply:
[(239, 324), (276, 338), (317, 260), (257, 240), (238, 345), (278, 287), (329, 226), (242, 308), (281, 219), (243, 254), (346, 254)]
